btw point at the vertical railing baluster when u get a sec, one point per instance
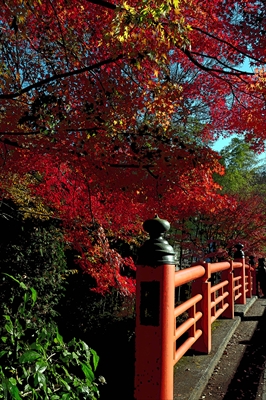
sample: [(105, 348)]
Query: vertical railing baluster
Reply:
[(239, 256), (203, 286)]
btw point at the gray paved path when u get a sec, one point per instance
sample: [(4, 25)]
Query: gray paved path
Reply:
[(240, 371), (236, 344)]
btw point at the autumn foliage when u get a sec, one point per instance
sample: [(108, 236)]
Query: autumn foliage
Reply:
[(107, 110)]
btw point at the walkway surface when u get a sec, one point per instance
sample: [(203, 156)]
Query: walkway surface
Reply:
[(235, 367)]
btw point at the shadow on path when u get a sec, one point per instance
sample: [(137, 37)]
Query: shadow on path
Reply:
[(245, 383)]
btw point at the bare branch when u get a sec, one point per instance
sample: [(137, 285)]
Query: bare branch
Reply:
[(103, 3), (213, 70), (233, 71), (228, 44), (56, 77)]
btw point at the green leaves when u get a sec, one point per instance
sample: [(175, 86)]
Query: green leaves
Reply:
[(33, 295), (87, 372), (40, 380), (29, 356), (10, 386), (42, 365), (21, 284), (95, 358)]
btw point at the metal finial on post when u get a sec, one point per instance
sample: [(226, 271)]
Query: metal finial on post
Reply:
[(155, 324), (239, 253), (252, 261), (156, 250)]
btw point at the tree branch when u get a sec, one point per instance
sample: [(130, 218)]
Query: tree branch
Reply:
[(211, 70), (234, 71), (59, 76), (228, 44), (103, 3)]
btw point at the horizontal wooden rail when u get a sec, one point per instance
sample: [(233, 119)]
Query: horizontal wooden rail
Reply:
[(187, 275), (190, 322), (219, 312), (209, 302), (219, 286), (186, 346), (186, 325), (166, 329), (220, 266), (186, 305), (237, 265), (219, 299)]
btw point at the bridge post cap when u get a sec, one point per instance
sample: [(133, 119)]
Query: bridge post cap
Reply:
[(156, 226), (239, 252), (156, 250), (252, 260)]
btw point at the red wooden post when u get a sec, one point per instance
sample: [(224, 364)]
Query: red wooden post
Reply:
[(239, 256), (228, 275), (203, 286), (155, 279)]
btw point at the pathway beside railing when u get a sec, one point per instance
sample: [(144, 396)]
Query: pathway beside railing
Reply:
[(160, 341)]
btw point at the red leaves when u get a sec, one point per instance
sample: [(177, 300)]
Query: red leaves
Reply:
[(110, 105)]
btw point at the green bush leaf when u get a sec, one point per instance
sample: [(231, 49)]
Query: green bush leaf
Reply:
[(13, 381), (59, 338), (44, 365), (29, 356), (66, 396), (33, 295), (2, 353), (40, 366), (95, 358), (65, 384), (21, 284), (87, 372), (41, 379), (9, 327), (26, 297), (14, 392)]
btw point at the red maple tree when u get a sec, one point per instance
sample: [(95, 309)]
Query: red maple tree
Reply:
[(113, 104)]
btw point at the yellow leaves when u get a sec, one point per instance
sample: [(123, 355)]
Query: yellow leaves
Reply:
[(157, 23), (174, 3), (29, 206), (137, 64), (69, 272), (115, 122), (260, 83), (123, 37), (127, 7)]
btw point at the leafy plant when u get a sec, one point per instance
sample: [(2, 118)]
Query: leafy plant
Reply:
[(38, 364), (33, 252)]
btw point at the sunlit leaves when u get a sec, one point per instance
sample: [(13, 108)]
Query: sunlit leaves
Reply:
[(107, 111)]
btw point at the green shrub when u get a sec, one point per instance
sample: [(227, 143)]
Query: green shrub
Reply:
[(38, 364), (34, 254)]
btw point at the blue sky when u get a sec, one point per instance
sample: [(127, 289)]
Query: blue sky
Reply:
[(223, 142)]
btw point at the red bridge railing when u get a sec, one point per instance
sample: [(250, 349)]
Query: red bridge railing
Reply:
[(160, 341)]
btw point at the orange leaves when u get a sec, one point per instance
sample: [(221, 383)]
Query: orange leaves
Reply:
[(113, 106)]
